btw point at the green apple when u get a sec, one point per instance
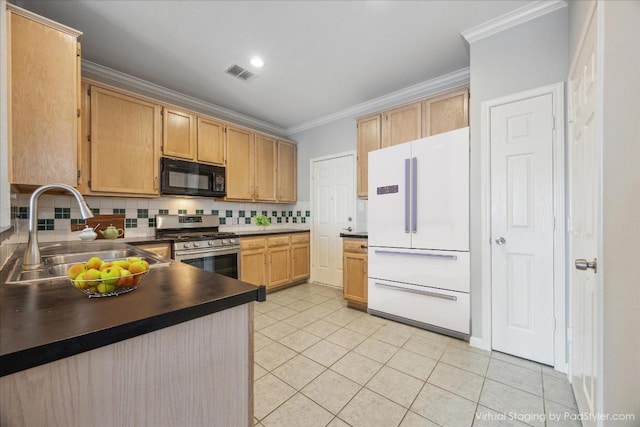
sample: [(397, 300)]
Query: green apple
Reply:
[(110, 276), (105, 288)]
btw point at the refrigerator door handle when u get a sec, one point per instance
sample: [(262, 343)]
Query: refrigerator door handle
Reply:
[(417, 291), (386, 251), (407, 200), (414, 194)]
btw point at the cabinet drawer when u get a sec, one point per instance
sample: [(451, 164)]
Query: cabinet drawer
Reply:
[(300, 238), (278, 241), (356, 245), (253, 243)]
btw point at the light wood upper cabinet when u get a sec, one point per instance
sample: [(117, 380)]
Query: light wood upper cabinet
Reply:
[(265, 168), (287, 172), (240, 164), (369, 139), (444, 113), (178, 133), (211, 147), (402, 124), (125, 131), (44, 86)]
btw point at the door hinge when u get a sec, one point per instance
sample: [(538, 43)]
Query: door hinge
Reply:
[(89, 91), (89, 183), (79, 112), (89, 138)]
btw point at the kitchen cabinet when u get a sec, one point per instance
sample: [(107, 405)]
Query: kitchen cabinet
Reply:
[(240, 164), (287, 172), (446, 112), (162, 249), (300, 257), (276, 260), (265, 168), (354, 272), (178, 133), (211, 141), (402, 124), (426, 117), (44, 99), (369, 139), (123, 131), (253, 260)]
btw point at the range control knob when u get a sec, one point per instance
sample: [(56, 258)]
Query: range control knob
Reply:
[(210, 242), (225, 241), (186, 245), (196, 244)]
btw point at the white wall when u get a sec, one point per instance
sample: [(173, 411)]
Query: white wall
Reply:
[(621, 207), (525, 57), (4, 176)]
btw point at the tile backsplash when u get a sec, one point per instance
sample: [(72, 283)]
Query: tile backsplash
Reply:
[(58, 212)]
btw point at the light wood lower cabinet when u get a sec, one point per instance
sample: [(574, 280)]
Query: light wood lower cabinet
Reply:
[(354, 272), (161, 249), (275, 261)]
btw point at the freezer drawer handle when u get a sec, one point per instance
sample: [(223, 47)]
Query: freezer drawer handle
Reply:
[(382, 251), (418, 291)]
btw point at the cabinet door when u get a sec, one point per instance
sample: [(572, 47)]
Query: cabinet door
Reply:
[(445, 113), (240, 163), (287, 172), (124, 132), (402, 124), (162, 249), (355, 277), (278, 266), (253, 266), (210, 141), (44, 109), (369, 139), (178, 134), (265, 170), (300, 265)]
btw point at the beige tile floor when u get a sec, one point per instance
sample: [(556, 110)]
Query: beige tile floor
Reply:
[(320, 363)]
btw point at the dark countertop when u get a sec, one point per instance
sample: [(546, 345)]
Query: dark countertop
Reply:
[(270, 232), (44, 322), (356, 234)]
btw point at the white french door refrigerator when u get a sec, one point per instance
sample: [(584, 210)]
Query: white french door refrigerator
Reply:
[(418, 225)]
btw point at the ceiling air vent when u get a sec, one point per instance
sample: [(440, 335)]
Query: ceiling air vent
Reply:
[(239, 72)]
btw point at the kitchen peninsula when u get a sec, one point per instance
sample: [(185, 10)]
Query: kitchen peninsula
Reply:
[(176, 351)]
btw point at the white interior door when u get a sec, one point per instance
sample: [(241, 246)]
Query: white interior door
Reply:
[(584, 181), (522, 224), (334, 210)]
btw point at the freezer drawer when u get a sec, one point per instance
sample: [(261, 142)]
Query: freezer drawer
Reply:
[(438, 269), (437, 307)]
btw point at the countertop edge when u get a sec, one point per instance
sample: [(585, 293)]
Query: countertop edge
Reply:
[(356, 235), (255, 233), (36, 356)]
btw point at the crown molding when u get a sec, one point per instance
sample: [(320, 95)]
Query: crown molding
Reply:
[(439, 84), (512, 19), (125, 81)]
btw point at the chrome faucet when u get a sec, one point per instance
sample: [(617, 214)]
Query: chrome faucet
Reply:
[(32, 260)]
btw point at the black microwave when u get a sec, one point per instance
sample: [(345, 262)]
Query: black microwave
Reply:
[(179, 177)]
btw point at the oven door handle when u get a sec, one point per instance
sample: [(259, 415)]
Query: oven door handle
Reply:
[(186, 255)]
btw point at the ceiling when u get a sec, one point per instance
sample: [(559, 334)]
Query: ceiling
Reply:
[(320, 57)]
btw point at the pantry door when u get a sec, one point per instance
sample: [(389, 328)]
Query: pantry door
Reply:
[(333, 211), (522, 228)]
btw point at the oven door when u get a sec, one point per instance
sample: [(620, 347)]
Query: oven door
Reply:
[(222, 261)]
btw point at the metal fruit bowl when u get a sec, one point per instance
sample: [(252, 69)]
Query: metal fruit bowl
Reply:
[(96, 288)]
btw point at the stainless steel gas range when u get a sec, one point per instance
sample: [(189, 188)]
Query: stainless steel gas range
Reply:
[(198, 241)]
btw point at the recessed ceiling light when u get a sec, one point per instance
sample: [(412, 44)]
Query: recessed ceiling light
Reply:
[(257, 62)]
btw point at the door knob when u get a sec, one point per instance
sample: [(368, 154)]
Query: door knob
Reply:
[(500, 241), (349, 228), (583, 264)]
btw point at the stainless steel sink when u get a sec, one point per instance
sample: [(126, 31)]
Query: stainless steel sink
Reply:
[(55, 266)]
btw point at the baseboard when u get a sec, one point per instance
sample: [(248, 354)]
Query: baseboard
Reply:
[(478, 343)]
